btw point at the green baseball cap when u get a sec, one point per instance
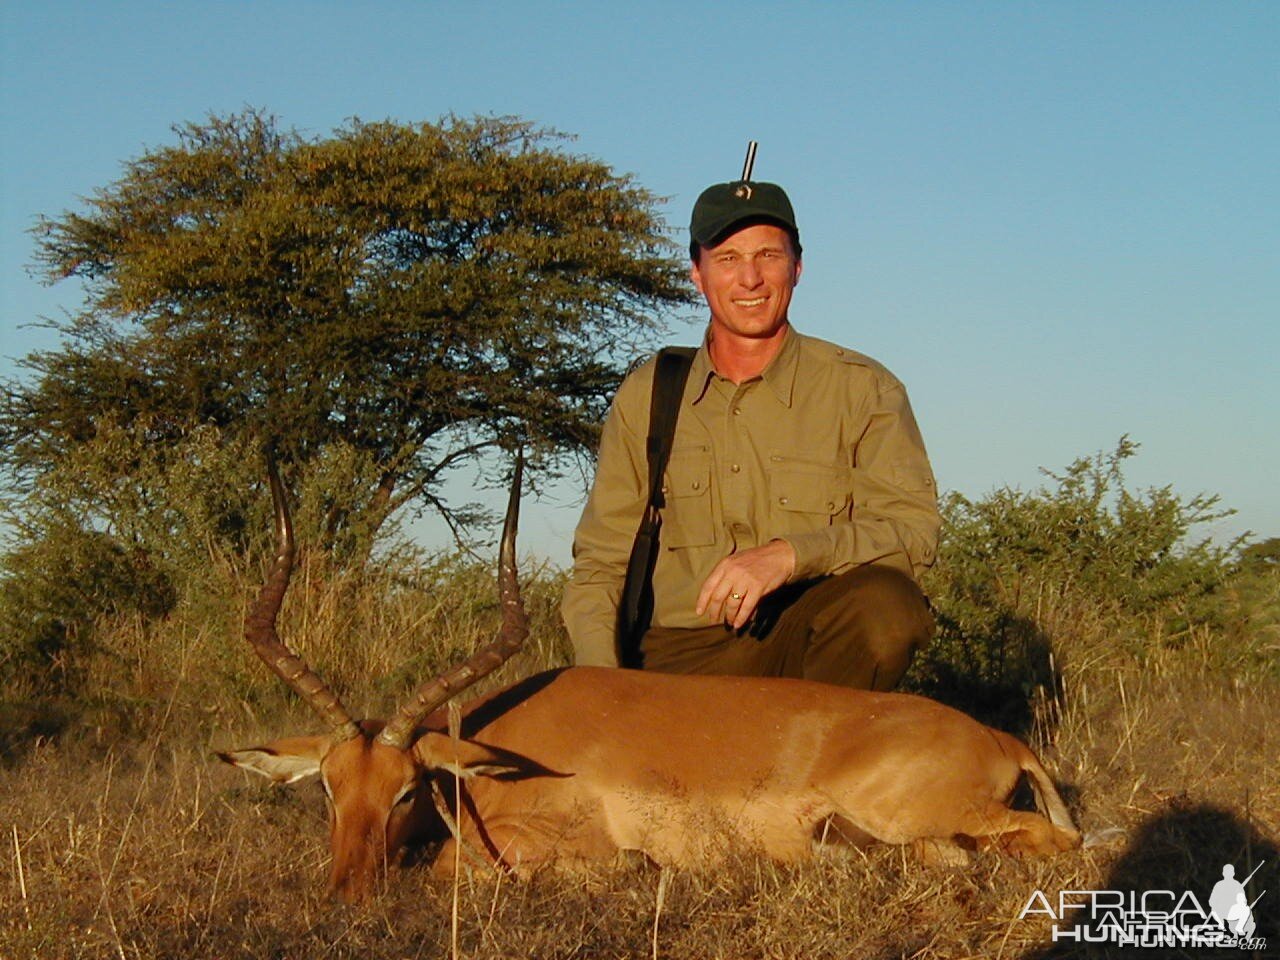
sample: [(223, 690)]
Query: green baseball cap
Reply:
[(725, 205)]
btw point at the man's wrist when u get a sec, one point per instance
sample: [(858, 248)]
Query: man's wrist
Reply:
[(812, 555), (785, 548)]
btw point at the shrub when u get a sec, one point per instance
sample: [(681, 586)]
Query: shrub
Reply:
[(121, 533), (53, 590), (1075, 568)]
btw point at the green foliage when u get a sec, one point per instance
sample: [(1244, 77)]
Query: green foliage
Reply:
[(418, 293), (53, 590), (1262, 556), (122, 526), (1090, 534), (379, 306), (1253, 593), (1086, 561), (147, 650)]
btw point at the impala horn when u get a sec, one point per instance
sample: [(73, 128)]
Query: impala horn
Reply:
[(260, 624), (515, 627)]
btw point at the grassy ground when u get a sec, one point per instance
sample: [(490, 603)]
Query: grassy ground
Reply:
[(122, 836)]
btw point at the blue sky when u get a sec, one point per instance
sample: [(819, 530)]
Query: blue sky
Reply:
[(1057, 223)]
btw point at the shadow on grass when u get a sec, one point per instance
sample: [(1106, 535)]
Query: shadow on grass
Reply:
[(1182, 849), (25, 723)]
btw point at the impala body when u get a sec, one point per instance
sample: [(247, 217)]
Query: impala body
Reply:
[(576, 765)]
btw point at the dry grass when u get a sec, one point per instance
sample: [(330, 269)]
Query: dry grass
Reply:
[(124, 839)]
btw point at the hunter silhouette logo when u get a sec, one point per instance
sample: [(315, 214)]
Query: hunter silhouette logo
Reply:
[(1155, 918), (1230, 903)]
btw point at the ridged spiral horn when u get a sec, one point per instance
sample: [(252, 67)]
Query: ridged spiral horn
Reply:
[(439, 690), (260, 624)]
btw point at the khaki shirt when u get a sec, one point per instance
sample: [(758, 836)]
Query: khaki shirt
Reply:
[(820, 450)]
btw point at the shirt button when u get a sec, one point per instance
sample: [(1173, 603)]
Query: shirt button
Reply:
[(697, 485), (783, 500), (737, 411), (736, 468)]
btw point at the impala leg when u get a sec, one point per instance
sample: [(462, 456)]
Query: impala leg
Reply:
[(1021, 833), (936, 852), (838, 830)]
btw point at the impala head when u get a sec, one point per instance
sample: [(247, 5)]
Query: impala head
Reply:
[(378, 801), (377, 777)]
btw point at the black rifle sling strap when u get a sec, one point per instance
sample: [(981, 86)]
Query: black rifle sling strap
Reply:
[(636, 606)]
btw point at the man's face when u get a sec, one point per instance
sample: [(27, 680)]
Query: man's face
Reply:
[(747, 279)]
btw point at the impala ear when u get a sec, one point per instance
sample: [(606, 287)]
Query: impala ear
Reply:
[(282, 761), (466, 758)]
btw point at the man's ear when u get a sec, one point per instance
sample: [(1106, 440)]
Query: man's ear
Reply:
[(282, 761), (465, 758), (696, 276)]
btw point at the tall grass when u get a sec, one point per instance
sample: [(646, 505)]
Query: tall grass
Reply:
[(1151, 694), (372, 634), (122, 838)]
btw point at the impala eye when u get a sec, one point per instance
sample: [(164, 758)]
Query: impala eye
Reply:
[(406, 797)]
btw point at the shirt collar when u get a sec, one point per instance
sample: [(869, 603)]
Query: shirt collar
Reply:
[(779, 375), (701, 372)]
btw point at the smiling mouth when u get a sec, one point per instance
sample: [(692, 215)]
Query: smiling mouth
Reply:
[(753, 302)]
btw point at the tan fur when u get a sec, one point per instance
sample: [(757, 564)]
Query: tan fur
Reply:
[(579, 764)]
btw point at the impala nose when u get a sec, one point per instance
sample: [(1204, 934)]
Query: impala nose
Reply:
[(358, 862)]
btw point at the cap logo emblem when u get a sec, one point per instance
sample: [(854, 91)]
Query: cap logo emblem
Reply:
[(743, 192)]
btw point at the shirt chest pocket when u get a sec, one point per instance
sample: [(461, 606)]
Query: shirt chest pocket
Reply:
[(804, 494), (687, 519)]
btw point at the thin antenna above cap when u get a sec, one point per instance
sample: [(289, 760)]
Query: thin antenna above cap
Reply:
[(750, 161)]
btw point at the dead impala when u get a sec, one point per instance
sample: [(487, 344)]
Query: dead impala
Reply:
[(577, 764)]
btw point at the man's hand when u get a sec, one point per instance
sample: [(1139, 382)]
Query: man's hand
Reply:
[(738, 582)]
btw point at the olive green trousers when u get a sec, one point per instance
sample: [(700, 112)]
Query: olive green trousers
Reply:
[(858, 629)]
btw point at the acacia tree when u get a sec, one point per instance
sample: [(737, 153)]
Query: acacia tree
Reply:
[(416, 293)]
